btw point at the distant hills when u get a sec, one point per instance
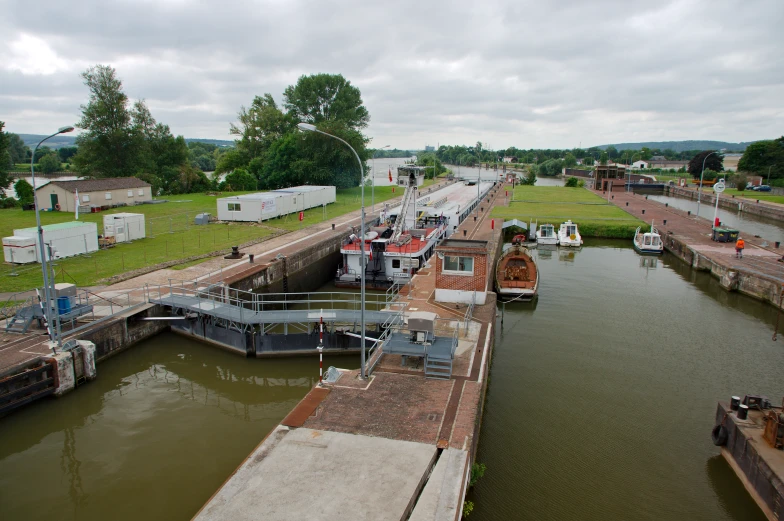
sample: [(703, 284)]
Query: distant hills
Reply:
[(682, 146), (65, 140)]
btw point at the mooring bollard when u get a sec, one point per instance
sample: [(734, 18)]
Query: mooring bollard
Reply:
[(743, 411), (734, 403), (666, 205), (643, 212), (250, 258), (475, 217), (333, 226), (689, 212), (778, 243), (465, 232), (665, 222), (627, 203)]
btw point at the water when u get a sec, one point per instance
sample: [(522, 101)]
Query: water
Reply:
[(470, 172), (603, 394), (750, 224), (152, 438)]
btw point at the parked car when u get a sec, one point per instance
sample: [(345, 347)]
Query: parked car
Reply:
[(762, 188)]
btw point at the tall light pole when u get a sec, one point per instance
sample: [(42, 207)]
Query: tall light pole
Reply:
[(699, 189), (373, 186), (44, 264), (312, 128), (631, 161), (768, 182)]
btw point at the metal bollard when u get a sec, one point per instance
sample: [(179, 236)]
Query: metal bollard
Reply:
[(665, 222), (643, 212), (250, 258), (333, 226)]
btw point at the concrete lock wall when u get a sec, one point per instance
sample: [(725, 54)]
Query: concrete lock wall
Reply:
[(120, 333), (748, 206), (67, 362)]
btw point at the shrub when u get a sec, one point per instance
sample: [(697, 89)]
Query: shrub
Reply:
[(572, 182)]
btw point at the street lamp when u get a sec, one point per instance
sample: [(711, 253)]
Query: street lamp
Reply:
[(44, 264), (373, 186), (699, 189), (771, 166), (312, 128), (631, 162)]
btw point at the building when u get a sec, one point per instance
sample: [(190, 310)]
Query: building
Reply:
[(462, 271), (668, 165), (428, 148), (275, 203), (510, 159), (611, 175), (641, 163), (94, 193)]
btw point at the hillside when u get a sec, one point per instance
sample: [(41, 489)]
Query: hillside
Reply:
[(682, 146), (69, 141)]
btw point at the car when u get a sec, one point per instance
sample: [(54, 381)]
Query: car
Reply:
[(762, 188)]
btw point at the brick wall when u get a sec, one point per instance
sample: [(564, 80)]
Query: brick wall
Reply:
[(475, 282)]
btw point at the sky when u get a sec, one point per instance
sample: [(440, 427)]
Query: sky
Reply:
[(529, 74)]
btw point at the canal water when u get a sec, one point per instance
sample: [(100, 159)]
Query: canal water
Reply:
[(153, 437), (749, 224), (603, 393)]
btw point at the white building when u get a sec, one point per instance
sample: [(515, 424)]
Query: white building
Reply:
[(641, 164), (62, 239), (124, 226), (268, 205)]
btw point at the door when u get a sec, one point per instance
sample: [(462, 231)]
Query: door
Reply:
[(53, 198)]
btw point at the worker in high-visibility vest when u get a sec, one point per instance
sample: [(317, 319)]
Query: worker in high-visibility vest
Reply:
[(739, 245)]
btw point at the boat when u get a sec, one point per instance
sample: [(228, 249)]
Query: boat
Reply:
[(648, 243), (516, 275), (569, 236), (546, 234)]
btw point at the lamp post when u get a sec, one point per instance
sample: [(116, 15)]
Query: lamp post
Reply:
[(699, 189), (631, 162), (768, 182), (48, 293), (312, 128), (373, 186)]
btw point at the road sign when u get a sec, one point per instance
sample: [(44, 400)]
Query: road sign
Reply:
[(719, 186)]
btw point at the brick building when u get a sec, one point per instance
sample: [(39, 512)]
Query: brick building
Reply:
[(462, 271)]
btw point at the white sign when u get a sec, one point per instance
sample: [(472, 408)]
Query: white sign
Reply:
[(719, 186), (268, 206), (409, 263)]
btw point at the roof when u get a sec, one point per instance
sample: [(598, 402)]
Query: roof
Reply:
[(463, 244), (100, 185), (59, 226), (273, 194)]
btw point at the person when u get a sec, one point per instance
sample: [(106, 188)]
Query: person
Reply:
[(739, 245)]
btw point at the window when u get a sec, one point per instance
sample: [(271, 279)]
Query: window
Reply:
[(235, 207), (85, 198), (395, 263), (464, 265), (140, 192), (108, 195), (130, 193)]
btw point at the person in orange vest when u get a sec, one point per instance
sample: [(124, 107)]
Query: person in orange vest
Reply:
[(739, 245)]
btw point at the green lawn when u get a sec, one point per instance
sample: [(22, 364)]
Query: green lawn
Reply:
[(555, 204), (171, 236)]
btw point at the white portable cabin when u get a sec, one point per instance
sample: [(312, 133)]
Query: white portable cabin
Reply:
[(268, 205), (65, 239), (124, 227), (19, 250)]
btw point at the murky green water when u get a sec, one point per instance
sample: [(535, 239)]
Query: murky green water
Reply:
[(602, 395), (152, 438)]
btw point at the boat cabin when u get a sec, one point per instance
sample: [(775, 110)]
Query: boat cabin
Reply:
[(410, 175)]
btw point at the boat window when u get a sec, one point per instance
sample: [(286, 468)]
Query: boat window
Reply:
[(647, 240), (395, 263), (456, 263)]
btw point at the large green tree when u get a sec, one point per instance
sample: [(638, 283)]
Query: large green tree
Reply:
[(20, 153), (24, 191), (762, 155), (49, 163), (712, 161), (5, 159), (321, 98), (259, 126)]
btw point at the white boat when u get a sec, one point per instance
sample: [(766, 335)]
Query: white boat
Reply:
[(649, 243), (569, 236), (546, 234)]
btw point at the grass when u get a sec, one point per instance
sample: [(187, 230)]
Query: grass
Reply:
[(556, 204), (171, 236)]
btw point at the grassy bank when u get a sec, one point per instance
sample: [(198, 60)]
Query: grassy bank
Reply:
[(555, 204), (171, 236)]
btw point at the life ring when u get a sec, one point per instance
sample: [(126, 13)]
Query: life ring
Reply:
[(719, 435), (57, 207)]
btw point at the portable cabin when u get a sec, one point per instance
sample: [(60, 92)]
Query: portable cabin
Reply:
[(275, 203), (19, 250), (124, 227), (64, 239)]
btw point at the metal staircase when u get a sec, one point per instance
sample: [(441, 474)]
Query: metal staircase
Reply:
[(25, 316), (401, 223), (438, 368)]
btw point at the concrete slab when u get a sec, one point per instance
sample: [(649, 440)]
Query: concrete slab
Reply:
[(321, 475), (442, 493)]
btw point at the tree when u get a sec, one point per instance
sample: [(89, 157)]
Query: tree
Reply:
[(49, 163), (108, 146), (529, 179), (5, 159), (761, 155), (240, 180), (570, 161), (571, 182), (20, 153), (320, 98), (713, 162), (603, 158), (740, 181), (66, 153), (24, 191), (259, 126)]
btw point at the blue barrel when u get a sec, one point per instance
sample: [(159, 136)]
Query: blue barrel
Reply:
[(63, 305)]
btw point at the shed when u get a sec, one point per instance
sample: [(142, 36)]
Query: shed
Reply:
[(65, 239), (275, 203), (124, 227), (111, 191)]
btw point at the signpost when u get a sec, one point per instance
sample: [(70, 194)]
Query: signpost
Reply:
[(718, 188)]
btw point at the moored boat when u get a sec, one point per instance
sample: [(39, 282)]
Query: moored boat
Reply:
[(546, 234), (648, 243), (517, 275), (569, 235)]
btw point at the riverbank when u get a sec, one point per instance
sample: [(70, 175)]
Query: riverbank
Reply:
[(595, 217)]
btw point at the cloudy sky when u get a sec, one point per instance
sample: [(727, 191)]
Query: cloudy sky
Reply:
[(519, 73)]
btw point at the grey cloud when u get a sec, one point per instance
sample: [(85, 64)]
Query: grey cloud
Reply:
[(522, 73)]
